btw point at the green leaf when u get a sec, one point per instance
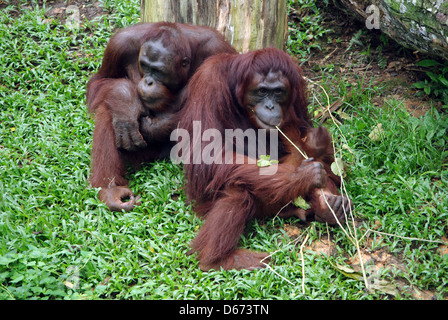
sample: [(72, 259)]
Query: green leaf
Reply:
[(419, 85), (16, 277), (265, 161), (432, 75), (301, 203), (5, 261), (443, 80), (427, 63), (337, 167)]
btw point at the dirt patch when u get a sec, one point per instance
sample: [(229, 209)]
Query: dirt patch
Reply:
[(88, 10), (292, 231), (57, 9), (384, 272)]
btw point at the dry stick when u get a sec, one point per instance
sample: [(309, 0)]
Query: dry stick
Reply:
[(295, 240), (337, 220), (355, 241), (352, 238), (406, 238), (339, 170), (328, 106), (278, 274), (281, 209), (270, 268), (298, 149), (355, 237), (306, 157), (303, 262)]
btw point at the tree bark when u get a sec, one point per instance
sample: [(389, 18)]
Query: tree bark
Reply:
[(416, 24), (246, 24)]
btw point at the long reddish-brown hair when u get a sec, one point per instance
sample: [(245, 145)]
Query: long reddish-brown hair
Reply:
[(214, 97), (216, 90)]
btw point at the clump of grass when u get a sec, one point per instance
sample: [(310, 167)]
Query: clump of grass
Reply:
[(436, 83), (305, 31)]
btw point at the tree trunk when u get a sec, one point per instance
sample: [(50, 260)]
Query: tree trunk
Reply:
[(416, 24), (246, 24)]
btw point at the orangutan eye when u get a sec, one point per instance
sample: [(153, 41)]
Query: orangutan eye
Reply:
[(278, 92), (262, 91), (185, 62)]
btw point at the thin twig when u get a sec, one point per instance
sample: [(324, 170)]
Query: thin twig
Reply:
[(271, 269), (282, 209), (328, 107), (351, 237), (344, 192), (334, 215), (405, 238), (298, 149), (328, 98), (303, 263), (278, 274), (292, 241)]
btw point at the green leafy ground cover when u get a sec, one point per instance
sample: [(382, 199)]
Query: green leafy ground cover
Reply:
[(57, 241)]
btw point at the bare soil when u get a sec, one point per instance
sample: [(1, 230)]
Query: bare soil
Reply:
[(56, 9)]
